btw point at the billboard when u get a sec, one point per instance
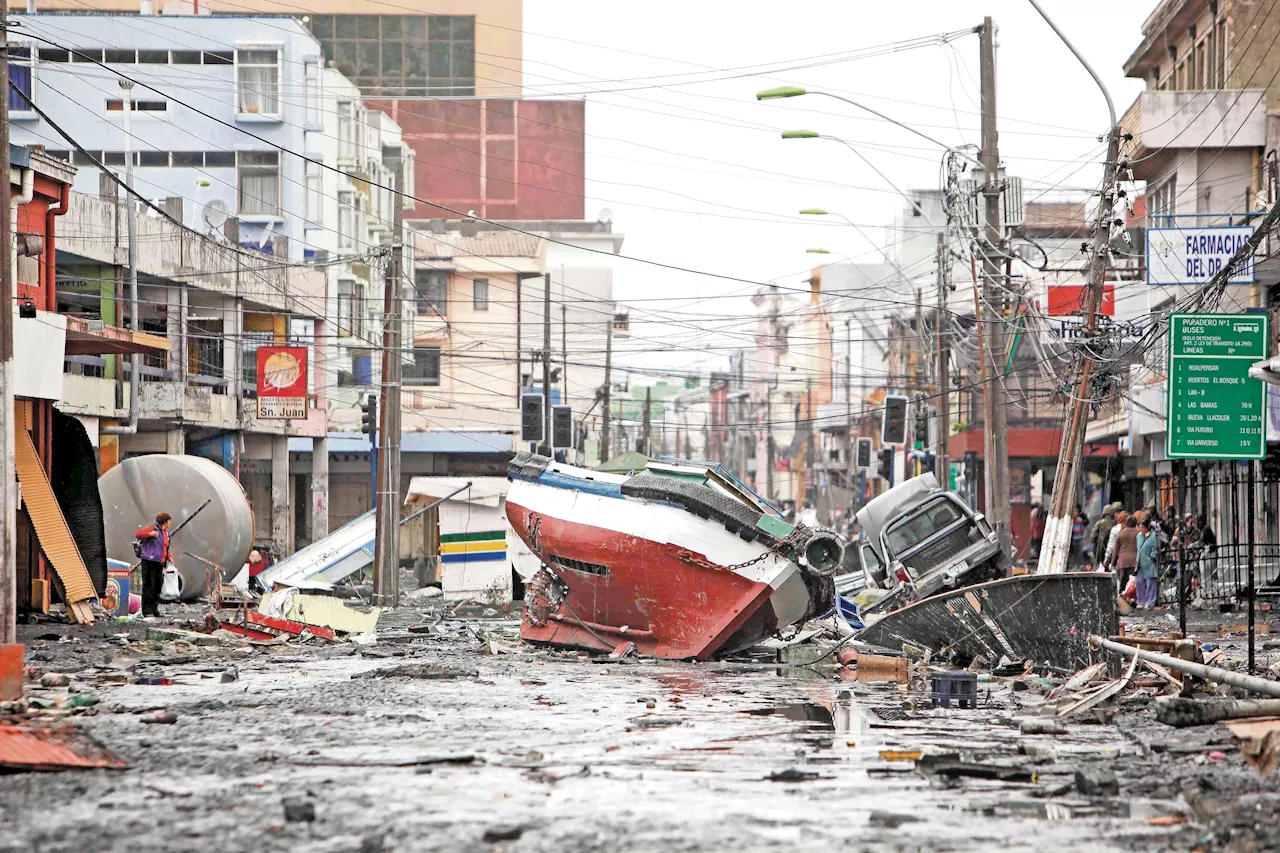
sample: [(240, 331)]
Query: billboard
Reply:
[(282, 383), (1195, 255)]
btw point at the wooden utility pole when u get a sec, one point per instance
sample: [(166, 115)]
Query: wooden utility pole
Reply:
[(8, 488), (849, 442), (996, 433), (606, 449), (1057, 536), (386, 558), (942, 460), (546, 361), (986, 384)]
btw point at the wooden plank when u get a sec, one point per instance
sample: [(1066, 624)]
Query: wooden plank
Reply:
[(50, 524)]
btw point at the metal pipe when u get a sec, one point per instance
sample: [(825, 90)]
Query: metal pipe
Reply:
[(1111, 109), (1208, 673), (131, 223)]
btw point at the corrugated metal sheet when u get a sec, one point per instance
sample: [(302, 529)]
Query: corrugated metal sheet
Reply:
[(501, 244), (52, 748), (51, 526)]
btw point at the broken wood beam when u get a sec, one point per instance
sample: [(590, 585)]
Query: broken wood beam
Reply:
[(1209, 673), (1182, 713)]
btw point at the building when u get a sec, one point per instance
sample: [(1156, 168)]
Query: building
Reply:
[(55, 441)]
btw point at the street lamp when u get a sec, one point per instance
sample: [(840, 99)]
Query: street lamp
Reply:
[(796, 91), (818, 251), (813, 134)]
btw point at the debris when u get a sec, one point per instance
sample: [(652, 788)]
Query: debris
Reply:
[(318, 611), (1178, 712), (503, 833), (890, 820), (1209, 673), (900, 755), (408, 761), (1045, 618), (423, 592), (958, 687), (792, 775), (952, 768), (229, 675), (624, 650), (1260, 743), (1167, 820), (1100, 694), (417, 670), (1041, 726), (85, 700), (155, 682), (651, 722), (163, 718), (1096, 782), (58, 747), (297, 809), (363, 640), (54, 679)]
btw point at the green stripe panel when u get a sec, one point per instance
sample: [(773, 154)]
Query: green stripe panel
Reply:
[(480, 536)]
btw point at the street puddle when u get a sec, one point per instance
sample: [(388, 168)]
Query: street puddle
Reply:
[(841, 715)]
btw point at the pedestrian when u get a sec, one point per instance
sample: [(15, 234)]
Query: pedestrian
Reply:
[(1208, 556), (1120, 517), (1148, 565), (155, 556), (1100, 533), (1126, 555), (1039, 516), (1079, 524)]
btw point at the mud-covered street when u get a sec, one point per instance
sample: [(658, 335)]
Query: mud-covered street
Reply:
[(431, 742)]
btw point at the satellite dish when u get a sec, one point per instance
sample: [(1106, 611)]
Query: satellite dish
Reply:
[(605, 217), (216, 214)]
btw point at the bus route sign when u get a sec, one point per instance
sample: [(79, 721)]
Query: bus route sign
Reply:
[(1214, 409)]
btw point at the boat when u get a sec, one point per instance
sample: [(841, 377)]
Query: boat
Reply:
[(1041, 618), (679, 558)]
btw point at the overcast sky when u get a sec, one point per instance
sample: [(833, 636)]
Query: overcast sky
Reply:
[(696, 176)]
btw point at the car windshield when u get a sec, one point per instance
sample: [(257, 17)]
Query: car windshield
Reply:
[(920, 525)]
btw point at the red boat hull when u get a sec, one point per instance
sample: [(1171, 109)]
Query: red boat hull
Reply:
[(669, 601)]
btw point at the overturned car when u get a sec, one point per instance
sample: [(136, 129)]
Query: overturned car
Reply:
[(921, 540)]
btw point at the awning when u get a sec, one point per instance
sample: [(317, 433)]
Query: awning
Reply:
[(485, 491), (86, 337), (52, 531)]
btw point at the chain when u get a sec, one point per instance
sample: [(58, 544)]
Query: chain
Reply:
[(777, 548)]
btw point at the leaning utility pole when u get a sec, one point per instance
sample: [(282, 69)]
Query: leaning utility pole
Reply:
[(606, 449), (1057, 534), (942, 460), (386, 562), (849, 443), (8, 459), (993, 287), (546, 362)]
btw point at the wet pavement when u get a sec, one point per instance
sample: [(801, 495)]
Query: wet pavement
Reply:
[(423, 742)]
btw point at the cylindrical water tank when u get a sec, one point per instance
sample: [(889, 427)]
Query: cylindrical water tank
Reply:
[(138, 488)]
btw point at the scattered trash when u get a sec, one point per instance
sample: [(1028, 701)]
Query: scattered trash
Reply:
[(418, 670), (503, 833), (1179, 712), (1041, 726), (296, 810), (57, 747), (54, 679), (163, 718), (792, 775), (229, 675), (1095, 783), (318, 611), (900, 755), (960, 688), (890, 820)]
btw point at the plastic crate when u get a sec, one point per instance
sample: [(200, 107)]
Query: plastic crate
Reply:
[(958, 688)]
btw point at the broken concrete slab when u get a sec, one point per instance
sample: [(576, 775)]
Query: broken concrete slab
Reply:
[(418, 670)]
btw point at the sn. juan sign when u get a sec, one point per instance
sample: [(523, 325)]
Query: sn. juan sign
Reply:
[(1195, 255), (282, 383)]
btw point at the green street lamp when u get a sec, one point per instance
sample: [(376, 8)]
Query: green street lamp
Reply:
[(801, 134), (796, 91), (818, 251), (813, 134)]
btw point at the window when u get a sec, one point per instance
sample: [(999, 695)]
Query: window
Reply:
[(349, 220), (480, 294), (120, 57), (86, 54), (186, 57), (22, 76), (188, 159), (407, 188), (346, 131), (249, 357), (1220, 40), (219, 159), (432, 287), (258, 81), (311, 93), (315, 192), (1202, 66), (117, 106), (54, 55), (153, 57), (258, 176), (153, 158), (414, 55), (219, 57), (1164, 198), (344, 307), (425, 367)]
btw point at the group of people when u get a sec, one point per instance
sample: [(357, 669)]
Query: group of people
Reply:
[(1133, 545)]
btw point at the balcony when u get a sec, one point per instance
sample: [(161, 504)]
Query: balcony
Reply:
[(1173, 120)]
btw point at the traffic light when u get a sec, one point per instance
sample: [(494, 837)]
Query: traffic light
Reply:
[(893, 428), (531, 417), (864, 453), (369, 417), (562, 427), (885, 469), (922, 426)]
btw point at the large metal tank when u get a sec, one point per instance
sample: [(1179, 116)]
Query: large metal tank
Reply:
[(138, 488)]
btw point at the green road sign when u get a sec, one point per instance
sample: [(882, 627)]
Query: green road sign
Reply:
[(1215, 410)]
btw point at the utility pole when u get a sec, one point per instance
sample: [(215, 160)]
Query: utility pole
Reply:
[(386, 579), (996, 433), (1057, 535), (519, 344), (564, 363), (606, 449), (942, 463), (9, 492), (848, 406), (546, 361), (769, 457)]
